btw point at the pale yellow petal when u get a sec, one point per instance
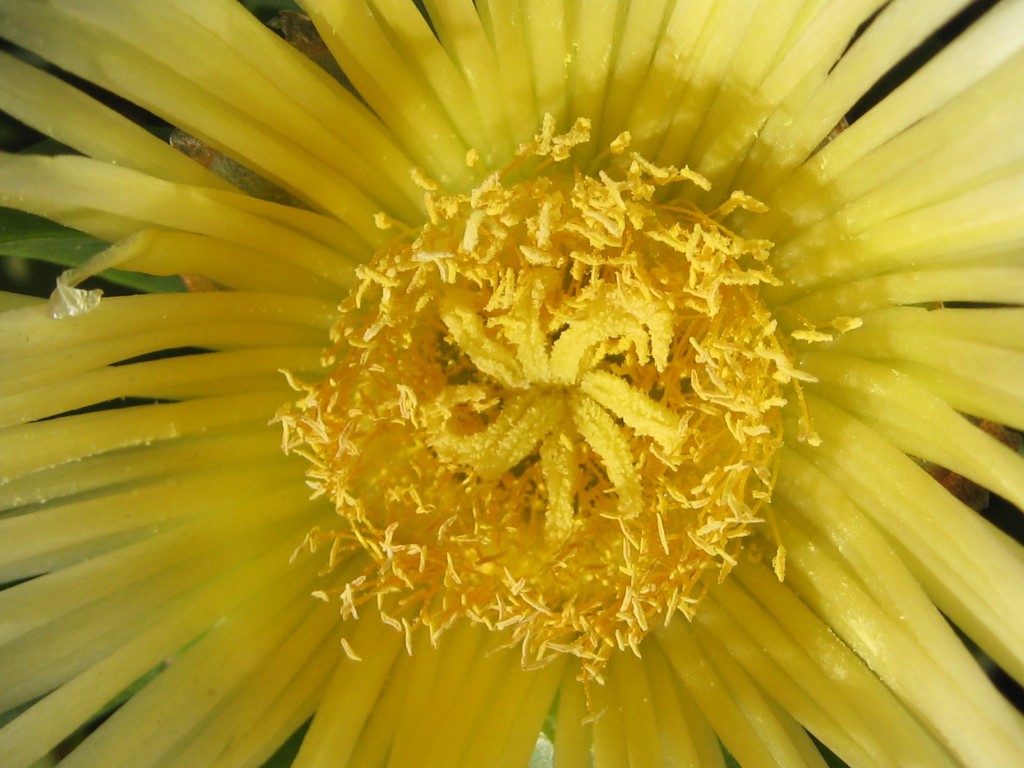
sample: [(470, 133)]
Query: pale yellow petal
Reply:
[(896, 30), (48, 721), (136, 467), (392, 89), (42, 100), (506, 29), (269, 701), (60, 536), (351, 693), (971, 358), (465, 41), (112, 203), (756, 732), (932, 673), (230, 103), (507, 722), (687, 739), (935, 534), (994, 282), (630, 692), (573, 735), (48, 443), (457, 670), (225, 264), (797, 659), (159, 719), (189, 377), (547, 23), (609, 749)]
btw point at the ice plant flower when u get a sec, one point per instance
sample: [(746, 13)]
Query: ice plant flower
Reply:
[(616, 348)]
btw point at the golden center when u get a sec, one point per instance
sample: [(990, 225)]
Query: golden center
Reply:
[(553, 409)]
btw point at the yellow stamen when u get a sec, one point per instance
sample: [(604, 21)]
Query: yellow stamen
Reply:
[(554, 409)]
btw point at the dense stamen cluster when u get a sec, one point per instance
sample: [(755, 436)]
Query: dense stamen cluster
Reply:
[(553, 409)]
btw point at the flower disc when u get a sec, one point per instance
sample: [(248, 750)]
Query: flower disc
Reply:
[(554, 409)]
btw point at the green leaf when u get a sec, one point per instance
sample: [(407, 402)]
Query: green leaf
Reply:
[(26, 236)]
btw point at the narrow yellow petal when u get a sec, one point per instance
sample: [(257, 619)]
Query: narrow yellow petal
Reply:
[(708, 64), (56, 716), (984, 48), (377, 740), (687, 739), (631, 691), (458, 670), (350, 695), (158, 719), (110, 333), (391, 89), (992, 283), (799, 661), (46, 443), (592, 53), (753, 731), (40, 100), (228, 104), (948, 349), (546, 29), (138, 466), (366, 151), (572, 731), (891, 36), (187, 377), (12, 301), (295, 705), (606, 725), (666, 81), (509, 720), (935, 533), (422, 56), (279, 688), (112, 203), (791, 84), (227, 265), (61, 536), (933, 674), (917, 421), (506, 28), (463, 37)]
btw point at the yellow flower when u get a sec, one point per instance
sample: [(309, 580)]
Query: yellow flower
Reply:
[(618, 365)]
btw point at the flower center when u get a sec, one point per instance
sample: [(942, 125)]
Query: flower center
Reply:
[(553, 409)]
